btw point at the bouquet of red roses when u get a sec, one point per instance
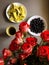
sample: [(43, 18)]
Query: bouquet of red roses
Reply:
[(25, 50)]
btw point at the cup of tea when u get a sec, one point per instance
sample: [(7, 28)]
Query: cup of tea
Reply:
[(10, 30)]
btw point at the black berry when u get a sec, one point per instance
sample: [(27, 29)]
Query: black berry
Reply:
[(37, 25)]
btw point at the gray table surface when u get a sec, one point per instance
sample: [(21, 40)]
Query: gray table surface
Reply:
[(34, 7)]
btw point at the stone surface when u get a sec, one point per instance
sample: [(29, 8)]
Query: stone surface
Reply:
[(34, 7)]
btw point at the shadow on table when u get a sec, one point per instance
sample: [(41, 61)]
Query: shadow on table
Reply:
[(4, 15), (3, 35)]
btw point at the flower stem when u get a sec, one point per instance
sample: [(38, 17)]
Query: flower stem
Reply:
[(42, 42)]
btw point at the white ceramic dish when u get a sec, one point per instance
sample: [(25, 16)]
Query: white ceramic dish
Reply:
[(33, 17), (15, 3)]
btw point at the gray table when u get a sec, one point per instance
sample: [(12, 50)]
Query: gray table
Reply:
[(34, 7)]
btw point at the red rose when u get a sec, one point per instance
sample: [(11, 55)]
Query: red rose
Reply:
[(25, 64), (23, 27), (1, 61), (13, 60), (6, 53), (32, 41), (13, 46), (18, 40), (45, 36), (19, 34), (43, 51), (23, 56), (27, 48)]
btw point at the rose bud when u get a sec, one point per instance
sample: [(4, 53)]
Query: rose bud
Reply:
[(18, 41), (13, 60), (1, 61), (26, 47), (13, 46), (25, 64), (19, 34), (45, 36), (32, 41), (23, 27), (6, 53)]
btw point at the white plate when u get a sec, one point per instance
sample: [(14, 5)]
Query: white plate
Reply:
[(33, 17), (15, 3)]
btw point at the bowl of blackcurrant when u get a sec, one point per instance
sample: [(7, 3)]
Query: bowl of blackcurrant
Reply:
[(37, 25)]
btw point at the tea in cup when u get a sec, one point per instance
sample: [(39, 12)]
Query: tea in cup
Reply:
[(10, 31)]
